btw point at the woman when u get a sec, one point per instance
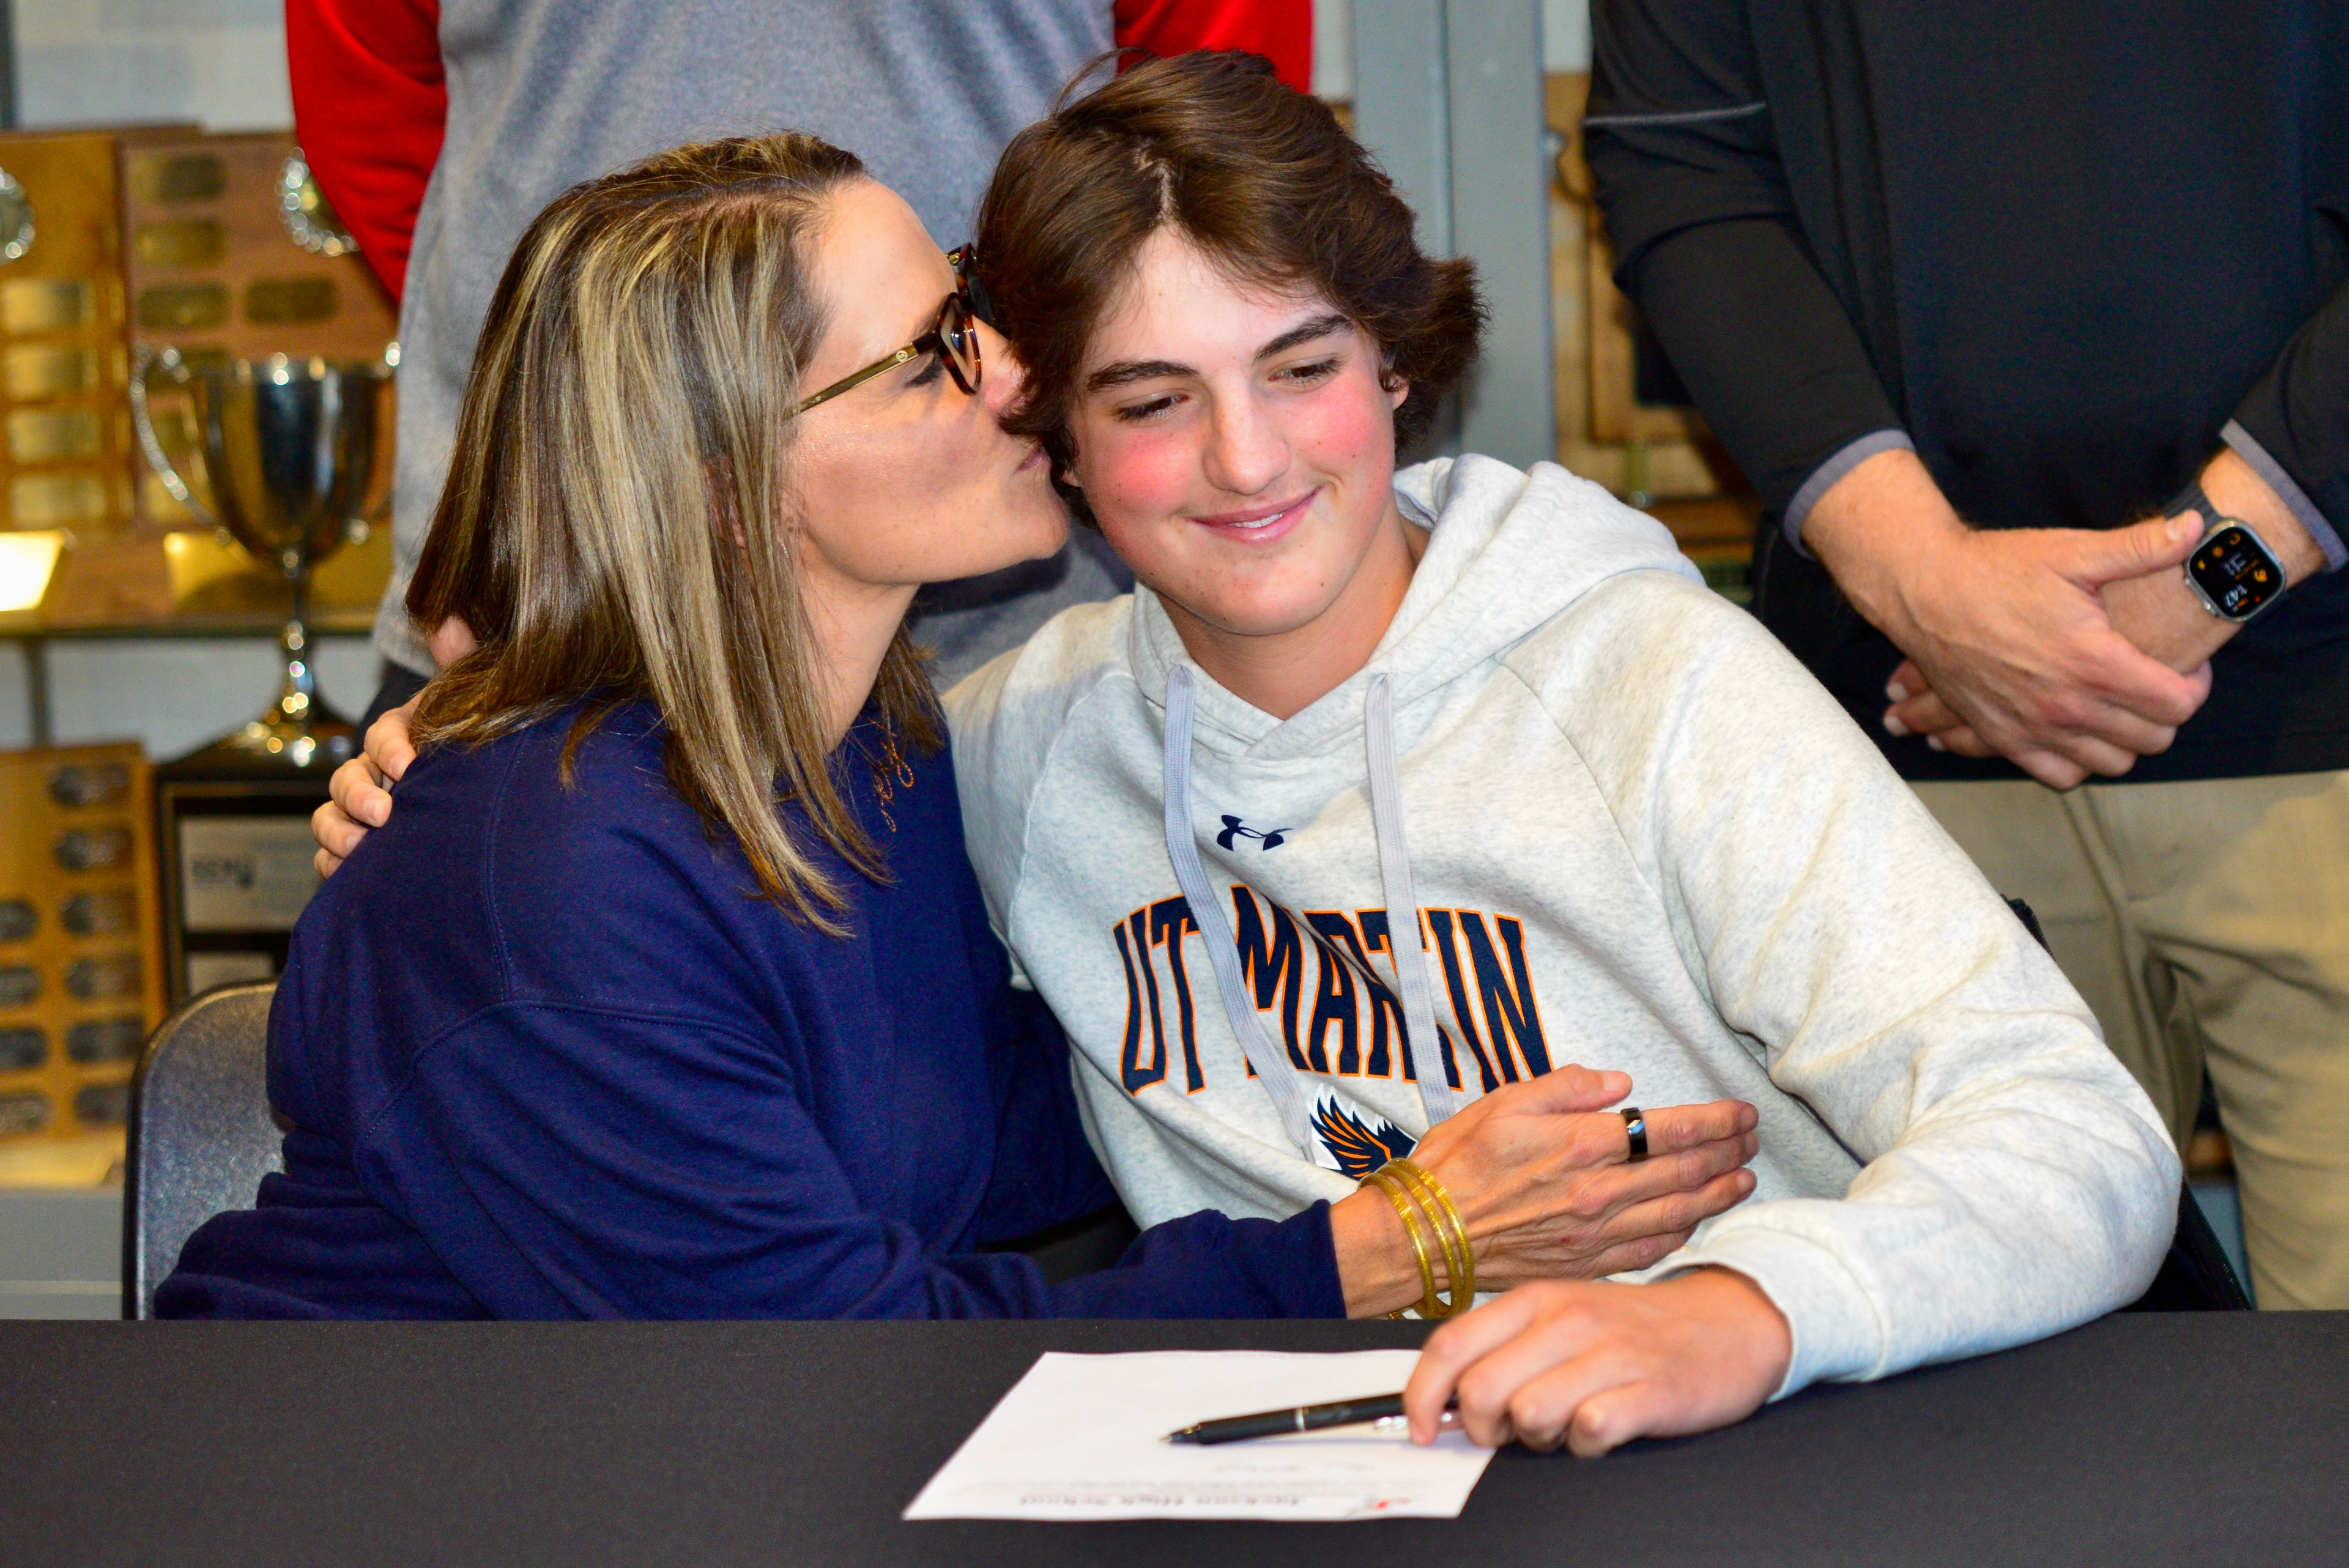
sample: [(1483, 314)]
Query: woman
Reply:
[(660, 1046)]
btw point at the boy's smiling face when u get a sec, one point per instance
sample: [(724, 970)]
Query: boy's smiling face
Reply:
[(1237, 449)]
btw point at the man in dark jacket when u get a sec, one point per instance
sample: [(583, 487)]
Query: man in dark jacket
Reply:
[(2031, 326)]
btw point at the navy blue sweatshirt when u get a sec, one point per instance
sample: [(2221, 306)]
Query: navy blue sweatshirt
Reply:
[(543, 1055)]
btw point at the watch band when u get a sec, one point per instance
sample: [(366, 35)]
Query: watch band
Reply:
[(2194, 498)]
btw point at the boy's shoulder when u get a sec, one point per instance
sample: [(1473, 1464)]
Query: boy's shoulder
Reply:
[(1655, 620), (1648, 653), (1006, 717)]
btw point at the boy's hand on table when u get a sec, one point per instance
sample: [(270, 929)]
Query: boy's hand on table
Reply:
[(1593, 1365)]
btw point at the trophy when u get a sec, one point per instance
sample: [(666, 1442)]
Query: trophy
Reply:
[(291, 449)]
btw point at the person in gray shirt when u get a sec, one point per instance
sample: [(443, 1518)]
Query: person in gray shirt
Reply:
[(439, 129)]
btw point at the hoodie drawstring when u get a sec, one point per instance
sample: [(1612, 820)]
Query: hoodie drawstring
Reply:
[(1273, 1068), (1436, 1094)]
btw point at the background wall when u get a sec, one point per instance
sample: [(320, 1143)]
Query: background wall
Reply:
[(103, 62), (1565, 42)]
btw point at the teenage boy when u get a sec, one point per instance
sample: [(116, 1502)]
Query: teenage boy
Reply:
[(1633, 831)]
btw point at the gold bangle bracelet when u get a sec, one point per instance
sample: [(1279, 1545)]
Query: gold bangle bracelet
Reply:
[(1407, 1210), (1460, 1260), (1459, 1257), (1452, 1250)]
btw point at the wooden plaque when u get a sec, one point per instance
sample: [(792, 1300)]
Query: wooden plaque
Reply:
[(81, 976), (66, 448)]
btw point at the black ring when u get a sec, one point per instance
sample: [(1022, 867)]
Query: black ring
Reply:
[(1635, 1128)]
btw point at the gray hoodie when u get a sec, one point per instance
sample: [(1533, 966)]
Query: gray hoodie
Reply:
[(1638, 836)]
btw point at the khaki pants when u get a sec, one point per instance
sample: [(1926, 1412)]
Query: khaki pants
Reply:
[(2208, 926)]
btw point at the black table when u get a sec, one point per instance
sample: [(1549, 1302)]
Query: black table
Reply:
[(2218, 1438)]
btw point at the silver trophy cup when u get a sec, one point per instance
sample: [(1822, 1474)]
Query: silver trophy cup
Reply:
[(291, 451)]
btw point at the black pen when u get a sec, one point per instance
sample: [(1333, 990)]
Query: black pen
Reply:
[(1377, 1410)]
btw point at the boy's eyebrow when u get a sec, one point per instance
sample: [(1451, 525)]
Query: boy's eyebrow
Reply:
[(1304, 333), (1126, 370), (1129, 371)]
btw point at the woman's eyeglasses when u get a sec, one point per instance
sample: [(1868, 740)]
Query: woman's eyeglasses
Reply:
[(953, 337)]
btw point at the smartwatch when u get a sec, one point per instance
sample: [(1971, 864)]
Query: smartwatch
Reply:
[(2231, 571)]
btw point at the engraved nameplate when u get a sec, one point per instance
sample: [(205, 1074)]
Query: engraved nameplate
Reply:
[(103, 1105), (178, 177), (56, 500), (182, 307), (21, 1049), (104, 979), (93, 848), (99, 914), (106, 1040), (46, 305), (276, 301), (53, 436), (181, 244), (34, 370), (89, 783), (245, 873)]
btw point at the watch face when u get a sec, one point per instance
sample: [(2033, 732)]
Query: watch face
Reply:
[(2236, 572)]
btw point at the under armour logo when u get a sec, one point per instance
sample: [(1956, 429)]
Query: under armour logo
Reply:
[(1235, 828)]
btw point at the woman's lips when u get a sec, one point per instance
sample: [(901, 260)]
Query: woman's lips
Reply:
[(1035, 456), (1260, 524)]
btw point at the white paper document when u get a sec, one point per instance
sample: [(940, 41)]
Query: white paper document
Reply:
[(1080, 1438)]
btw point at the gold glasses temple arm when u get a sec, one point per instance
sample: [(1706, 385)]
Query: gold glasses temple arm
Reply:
[(880, 367)]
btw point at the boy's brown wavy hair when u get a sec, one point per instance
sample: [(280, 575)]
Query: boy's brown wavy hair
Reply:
[(1261, 177)]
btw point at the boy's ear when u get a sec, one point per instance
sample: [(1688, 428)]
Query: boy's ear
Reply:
[(1397, 388)]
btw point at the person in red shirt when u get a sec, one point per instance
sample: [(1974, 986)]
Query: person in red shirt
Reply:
[(439, 127)]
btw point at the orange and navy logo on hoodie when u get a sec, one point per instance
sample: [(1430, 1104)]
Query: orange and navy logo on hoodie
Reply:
[(1359, 1146)]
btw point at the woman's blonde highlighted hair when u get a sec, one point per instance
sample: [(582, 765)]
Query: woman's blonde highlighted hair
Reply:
[(617, 525)]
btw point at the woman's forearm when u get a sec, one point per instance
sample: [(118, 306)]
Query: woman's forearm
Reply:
[(1376, 1267)]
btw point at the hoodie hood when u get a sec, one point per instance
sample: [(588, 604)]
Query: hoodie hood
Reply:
[(1507, 551)]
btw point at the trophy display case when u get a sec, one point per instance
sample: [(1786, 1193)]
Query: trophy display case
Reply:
[(198, 372), (80, 976), (1624, 418), (230, 253), (219, 248)]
